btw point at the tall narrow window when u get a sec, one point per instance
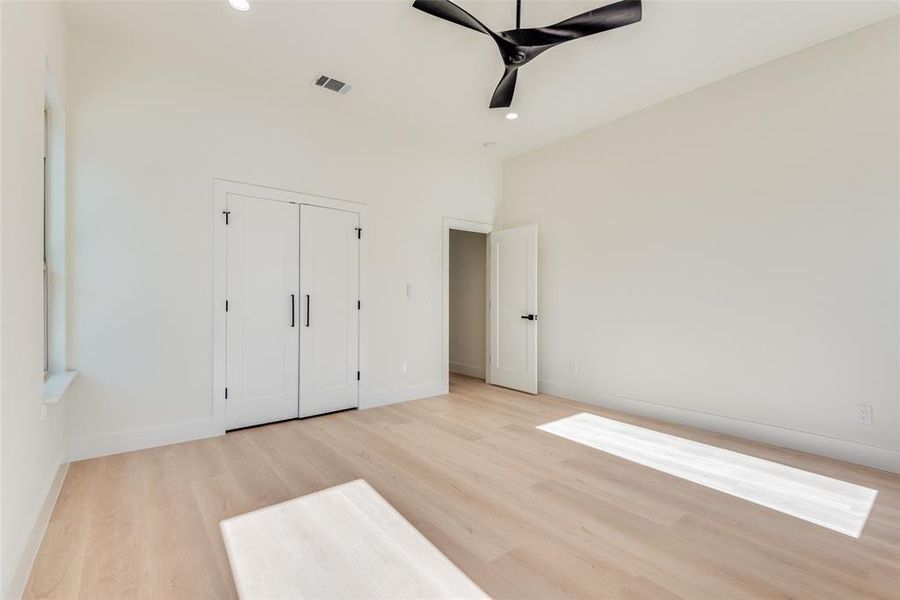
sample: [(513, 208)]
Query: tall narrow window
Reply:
[(45, 236)]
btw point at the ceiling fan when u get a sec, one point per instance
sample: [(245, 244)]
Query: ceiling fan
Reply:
[(519, 46)]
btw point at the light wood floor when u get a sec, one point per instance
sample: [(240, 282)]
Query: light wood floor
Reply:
[(524, 513)]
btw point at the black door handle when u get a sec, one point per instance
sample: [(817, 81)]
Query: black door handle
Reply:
[(307, 310), (530, 317), (292, 310)]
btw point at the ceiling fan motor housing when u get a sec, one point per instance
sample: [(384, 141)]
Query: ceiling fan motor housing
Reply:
[(520, 46)]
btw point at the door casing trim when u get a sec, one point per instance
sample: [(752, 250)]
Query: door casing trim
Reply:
[(221, 189)]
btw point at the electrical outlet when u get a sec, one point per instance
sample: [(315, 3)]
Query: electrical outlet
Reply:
[(863, 414), (574, 367), (403, 368)]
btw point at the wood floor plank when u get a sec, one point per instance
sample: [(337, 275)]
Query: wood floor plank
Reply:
[(115, 562), (825, 501), (61, 558), (352, 544), (523, 513)]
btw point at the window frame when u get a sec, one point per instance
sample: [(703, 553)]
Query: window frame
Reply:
[(45, 238)]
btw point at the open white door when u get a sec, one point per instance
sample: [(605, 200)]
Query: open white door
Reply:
[(514, 310), (263, 248), (329, 335)]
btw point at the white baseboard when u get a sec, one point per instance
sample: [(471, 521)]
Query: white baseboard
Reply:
[(886, 459), (414, 392), (139, 439), (33, 543), (470, 370)]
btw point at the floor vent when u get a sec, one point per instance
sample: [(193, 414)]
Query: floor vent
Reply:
[(330, 83)]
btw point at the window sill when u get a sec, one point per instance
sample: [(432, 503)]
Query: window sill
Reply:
[(56, 385)]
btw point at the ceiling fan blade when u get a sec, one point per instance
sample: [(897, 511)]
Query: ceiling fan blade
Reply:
[(444, 9), (503, 95), (594, 21)]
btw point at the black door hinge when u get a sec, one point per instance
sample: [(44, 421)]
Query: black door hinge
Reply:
[(359, 233), (358, 305), (357, 375), (226, 306), (226, 213), (226, 393)]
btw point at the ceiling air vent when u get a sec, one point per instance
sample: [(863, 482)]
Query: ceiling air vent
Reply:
[(330, 83)]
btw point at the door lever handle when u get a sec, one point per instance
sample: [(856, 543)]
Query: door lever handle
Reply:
[(530, 317)]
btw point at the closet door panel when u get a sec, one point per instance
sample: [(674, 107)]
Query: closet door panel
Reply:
[(329, 336), (261, 321)]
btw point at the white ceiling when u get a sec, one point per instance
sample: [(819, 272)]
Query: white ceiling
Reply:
[(420, 72)]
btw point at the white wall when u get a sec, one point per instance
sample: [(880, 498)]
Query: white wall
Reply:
[(149, 130), (32, 448), (729, 258), (467, 302), (3, 557)]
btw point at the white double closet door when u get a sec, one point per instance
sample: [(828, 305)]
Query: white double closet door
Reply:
[(292, 321)]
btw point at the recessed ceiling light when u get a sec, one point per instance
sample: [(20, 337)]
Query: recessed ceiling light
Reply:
[(489, 145), (512, 116), (240, 5)]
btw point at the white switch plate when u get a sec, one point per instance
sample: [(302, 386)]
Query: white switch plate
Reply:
[(863, 414), (574, 367), (403, 367), (413, 291)]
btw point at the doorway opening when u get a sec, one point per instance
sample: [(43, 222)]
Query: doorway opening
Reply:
[(509, 300), (468, 307)]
